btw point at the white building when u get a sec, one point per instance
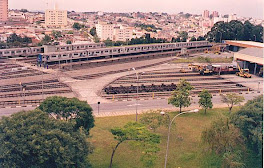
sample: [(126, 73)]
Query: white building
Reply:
[(16, 15), (104, 31), (56, 18), (113, 32), (123, 33), (232, 17)]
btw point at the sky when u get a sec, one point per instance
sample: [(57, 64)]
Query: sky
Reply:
[(247, 8)]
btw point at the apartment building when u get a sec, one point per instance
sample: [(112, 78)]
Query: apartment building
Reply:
[(206, 14), (104, 31), (3, 10), (122, 33), (215, 14), (56, 18)]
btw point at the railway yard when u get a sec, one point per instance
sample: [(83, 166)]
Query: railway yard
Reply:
[(112, 80), (21, 86), (161, 83)]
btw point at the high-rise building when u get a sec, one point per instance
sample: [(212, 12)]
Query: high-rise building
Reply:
[(56, 18), (215, 14), (3, 10), (104, 30), (206, 14)]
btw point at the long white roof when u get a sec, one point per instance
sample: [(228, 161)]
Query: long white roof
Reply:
[(251, 43)]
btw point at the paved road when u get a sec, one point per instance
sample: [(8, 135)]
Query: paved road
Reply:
[(129, 107)]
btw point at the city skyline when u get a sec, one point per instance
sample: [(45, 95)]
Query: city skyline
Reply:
[(243, 8)]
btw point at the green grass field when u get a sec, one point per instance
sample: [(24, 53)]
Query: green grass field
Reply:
[(185, 149), (204, 60)]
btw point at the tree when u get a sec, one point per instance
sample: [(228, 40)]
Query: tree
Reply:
[(257, 33), (235, 30), (225, 140), (180, 97), (142, 136), (56, 34), (248, 27), (222, 136), (24, 10), (77, 26), (33, 139), (183, 35), (96, 39), (233, 159), (93, 31), (205, 100), (153, 120), (232, 99), (200, 38), (18, 41), (193, 39), (249, 119), (46, 39), (68, 42), (69, 109)]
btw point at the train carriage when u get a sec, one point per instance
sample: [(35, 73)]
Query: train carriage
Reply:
[(33, 51), (77, 51)]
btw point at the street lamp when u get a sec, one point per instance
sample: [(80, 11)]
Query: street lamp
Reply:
[(171, 121), (134, 69)]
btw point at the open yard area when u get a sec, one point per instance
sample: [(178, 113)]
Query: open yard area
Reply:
[(205, 59), (185, 149)]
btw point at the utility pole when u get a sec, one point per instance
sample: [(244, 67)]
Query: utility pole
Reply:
[(42, 86), (98, 107)]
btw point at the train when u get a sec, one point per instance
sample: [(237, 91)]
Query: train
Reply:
[(105, 52), (218, 69), (33, 51), (18, 52)]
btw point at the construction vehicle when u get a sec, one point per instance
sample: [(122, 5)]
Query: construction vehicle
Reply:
[(195, 68), (207, 70), (215, 49), (243, 72)]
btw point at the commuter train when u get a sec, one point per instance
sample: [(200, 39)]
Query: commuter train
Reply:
[(33, 51), (16, 52), (123, 50)]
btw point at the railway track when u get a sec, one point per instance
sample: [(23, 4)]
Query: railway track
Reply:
[(92, 76), (163, 82), (166, 94), (163, 87), (166, 80), (27, 94), (19, 102)]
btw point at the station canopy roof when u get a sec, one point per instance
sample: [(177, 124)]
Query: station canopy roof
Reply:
[(254, 55), (246, 44)]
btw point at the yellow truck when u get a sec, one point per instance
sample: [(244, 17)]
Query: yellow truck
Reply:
[(243, 72)]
